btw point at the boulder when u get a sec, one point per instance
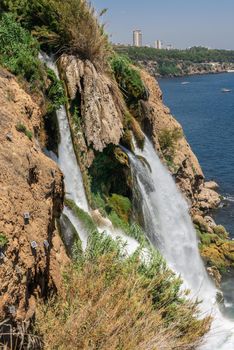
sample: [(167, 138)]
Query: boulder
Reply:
[(211, 185), (208, 199)]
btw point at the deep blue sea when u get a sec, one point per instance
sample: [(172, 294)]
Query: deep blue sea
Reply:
[(207, 116)]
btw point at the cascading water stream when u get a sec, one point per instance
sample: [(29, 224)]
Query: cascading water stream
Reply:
[(170, 229), (66, 156), (68, 164), (74, 187)]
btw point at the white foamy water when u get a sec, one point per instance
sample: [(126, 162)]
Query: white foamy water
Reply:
[(130, 244), (74, 187), (67, 161), (170, 229)]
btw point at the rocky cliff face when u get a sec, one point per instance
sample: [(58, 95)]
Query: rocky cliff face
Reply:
[(32, 255), (158, 122), (31, 198), (99, 101), (101, 117)]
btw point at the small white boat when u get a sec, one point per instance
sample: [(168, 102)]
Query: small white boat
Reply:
[(230, 70), (226, 90), (185, 82)]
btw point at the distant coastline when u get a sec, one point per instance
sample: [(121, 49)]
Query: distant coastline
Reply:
[(191, 69), (179, 63)]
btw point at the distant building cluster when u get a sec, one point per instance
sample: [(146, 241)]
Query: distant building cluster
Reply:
[(138, 41)]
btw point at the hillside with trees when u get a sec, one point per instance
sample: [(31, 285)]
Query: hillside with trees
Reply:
[(196, 60)]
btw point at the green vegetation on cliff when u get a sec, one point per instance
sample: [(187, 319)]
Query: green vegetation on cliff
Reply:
[(19, 53), (168, 141), (128, 78), (22, 128), (69, 26), (3, 240), (130, 304), (216, 249), (18, 50), (81, 215)]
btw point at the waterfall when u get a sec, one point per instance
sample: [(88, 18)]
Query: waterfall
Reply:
[(73, 181), (170, 229), (66, 156), (167, 222)]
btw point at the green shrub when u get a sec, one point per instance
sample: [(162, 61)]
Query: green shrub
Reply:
[(99, 203), (220, 231), (19, 53), (55, 92), (121, 205), (100, 244), (3, 240), (168, 140), (206, 238), (22, 128), (76, 118), (18, 50), (136, 232), (128, 79)]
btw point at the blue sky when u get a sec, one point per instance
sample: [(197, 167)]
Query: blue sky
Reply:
[(182, 23)]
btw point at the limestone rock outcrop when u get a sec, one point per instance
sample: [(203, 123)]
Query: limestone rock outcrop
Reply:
[(208, 199), (99, 98), (31, 198)]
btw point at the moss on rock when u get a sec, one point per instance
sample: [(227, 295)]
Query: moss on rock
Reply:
[(220, 231), (121, 205), (220, 256)]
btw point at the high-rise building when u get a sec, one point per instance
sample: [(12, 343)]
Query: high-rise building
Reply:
[(137, 38), (158, 44)]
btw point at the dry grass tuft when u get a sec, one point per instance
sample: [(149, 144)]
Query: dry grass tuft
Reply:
[(108, 303), (83, 34)]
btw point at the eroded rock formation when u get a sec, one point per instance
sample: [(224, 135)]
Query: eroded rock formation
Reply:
[(99, 98)]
